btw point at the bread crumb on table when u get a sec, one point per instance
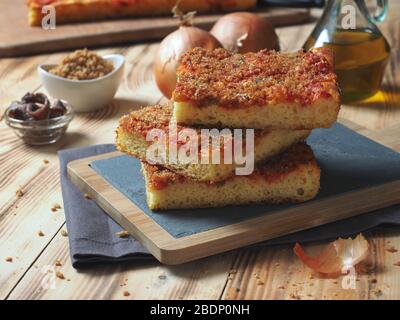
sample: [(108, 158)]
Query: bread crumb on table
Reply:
[(127, 293), (378, 292), (260, 282), (123, 234), (19, 193), (60, 275), (64, 233), (58, 263), (9, 259), (162, 277), (55, 207), (392, 249), (87, 196), (295, 296), (45, 161), (40, 233)]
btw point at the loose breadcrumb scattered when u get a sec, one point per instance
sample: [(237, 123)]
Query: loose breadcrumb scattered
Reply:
[(9, 259), (45, 161), (40, 233), (295, 296), (378, 292), (19, 193), (60, 275), (123, 234), (127, 293), (392, 249), (55, 207), (58, 263), (87, 196), (64, 233)]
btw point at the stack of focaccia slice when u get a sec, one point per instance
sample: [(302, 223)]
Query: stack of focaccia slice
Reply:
[(275, 98)]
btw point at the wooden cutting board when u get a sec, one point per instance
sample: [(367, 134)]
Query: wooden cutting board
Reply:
[(358, 176), (17, 38)]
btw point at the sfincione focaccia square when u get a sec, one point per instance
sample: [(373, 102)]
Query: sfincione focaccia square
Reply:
[(90, 10), (291, 177), (267, 89), (134, 127)]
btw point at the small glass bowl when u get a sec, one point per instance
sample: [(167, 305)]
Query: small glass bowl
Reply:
[(41, 132)]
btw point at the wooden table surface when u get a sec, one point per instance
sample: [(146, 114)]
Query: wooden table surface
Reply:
[(249, 273)]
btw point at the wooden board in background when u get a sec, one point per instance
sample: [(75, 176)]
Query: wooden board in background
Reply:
[(17, 38), (170, 250)]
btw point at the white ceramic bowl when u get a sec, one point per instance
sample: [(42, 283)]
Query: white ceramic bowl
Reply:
[(84, 95)]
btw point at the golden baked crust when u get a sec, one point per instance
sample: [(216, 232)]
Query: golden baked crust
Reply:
[(89, 10), (133, 128), (272, 170), (267, 77), (292, 177)]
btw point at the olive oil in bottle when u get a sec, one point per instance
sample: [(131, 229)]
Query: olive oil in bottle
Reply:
[(360, 50), (360, 60)]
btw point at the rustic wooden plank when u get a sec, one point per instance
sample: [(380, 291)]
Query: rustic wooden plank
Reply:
[(143, 280), (135, 86), (276, 273), (23, 166)]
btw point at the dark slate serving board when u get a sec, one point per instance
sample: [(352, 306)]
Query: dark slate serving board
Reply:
[(348, 161)]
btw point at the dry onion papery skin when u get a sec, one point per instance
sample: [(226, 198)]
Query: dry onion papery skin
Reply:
[(172, 48), (245, 32)]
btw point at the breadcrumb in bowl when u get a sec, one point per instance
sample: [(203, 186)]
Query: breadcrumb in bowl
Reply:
[(85, 95)]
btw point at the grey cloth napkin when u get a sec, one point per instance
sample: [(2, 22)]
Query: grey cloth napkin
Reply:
[(92, 233)]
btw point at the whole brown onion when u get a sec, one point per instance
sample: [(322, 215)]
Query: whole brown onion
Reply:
[(245, 32), (174, 46)]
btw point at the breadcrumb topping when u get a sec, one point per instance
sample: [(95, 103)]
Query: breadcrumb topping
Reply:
[(141, 121), (156, 117), (277, 167), (145, 119), (267, 77), (297, 155)]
